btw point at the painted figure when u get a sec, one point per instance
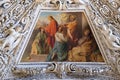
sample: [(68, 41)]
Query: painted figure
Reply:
[(72, 31), (50, 30), (60, 48), (85, 48), (38, 46), (63, 36)]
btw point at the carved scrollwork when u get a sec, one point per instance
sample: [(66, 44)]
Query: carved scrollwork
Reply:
[(115, 4), (118, 63), (55, 68), (4, 62), (23, 72), (63, 71), (85, 70), (72, 4), (34, 70), (4, 3), (12, 30), (105, 10), (109, 28), (17, 16), (75, 69), (117, 17), (51, 4)]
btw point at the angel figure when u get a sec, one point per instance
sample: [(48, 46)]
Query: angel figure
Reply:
[(3, 1), (13, 39)]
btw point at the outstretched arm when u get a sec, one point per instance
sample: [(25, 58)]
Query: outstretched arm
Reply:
[(69, 34)]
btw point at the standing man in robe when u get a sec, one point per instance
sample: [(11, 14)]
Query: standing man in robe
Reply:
[(50, 30)]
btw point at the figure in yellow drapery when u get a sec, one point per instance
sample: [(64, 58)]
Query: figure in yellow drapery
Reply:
[(84, 50), (72, 31)]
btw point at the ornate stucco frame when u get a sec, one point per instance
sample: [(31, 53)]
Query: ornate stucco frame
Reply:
[(103, 18)]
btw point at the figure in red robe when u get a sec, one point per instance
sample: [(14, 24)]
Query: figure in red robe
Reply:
[(51, 29)]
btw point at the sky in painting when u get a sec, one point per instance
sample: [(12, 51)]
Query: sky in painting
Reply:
[(44, 15)]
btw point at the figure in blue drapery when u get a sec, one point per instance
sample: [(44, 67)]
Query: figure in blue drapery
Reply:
[(60, 48)]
